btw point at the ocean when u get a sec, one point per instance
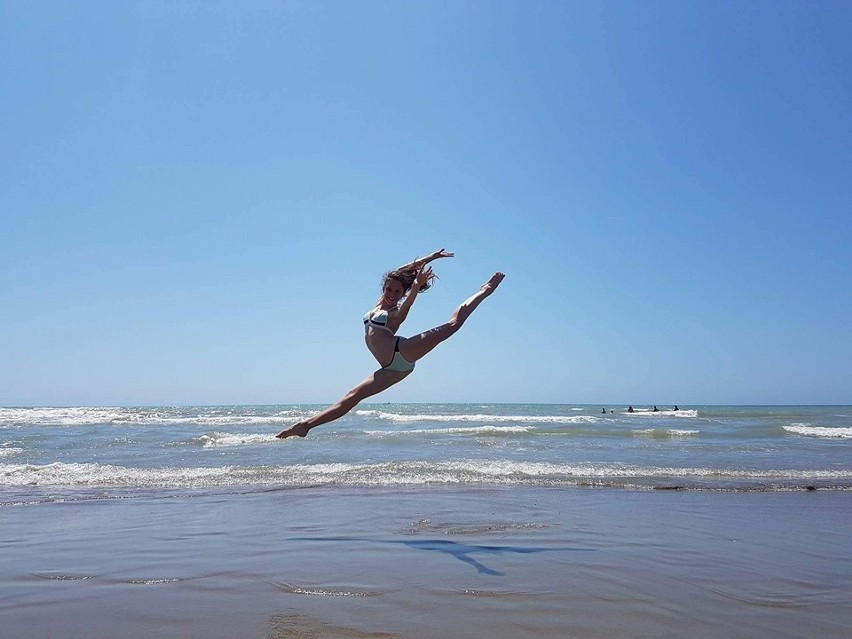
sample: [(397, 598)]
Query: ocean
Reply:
[(84, 452), (427, 520)]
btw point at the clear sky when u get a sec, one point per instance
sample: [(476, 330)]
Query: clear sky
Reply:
[(198, 199)]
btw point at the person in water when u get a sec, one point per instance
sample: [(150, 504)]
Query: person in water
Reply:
[(396, 355)]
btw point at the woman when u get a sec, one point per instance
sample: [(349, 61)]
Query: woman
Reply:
[(396, 355)]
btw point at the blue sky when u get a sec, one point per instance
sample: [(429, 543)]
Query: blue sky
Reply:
[(197, 200)]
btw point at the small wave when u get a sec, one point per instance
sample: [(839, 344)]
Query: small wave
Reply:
[(58, 416), (101, 475), (425, 417), (61, 576), (219, 420), (427, 526), (819, 431), (89, 416), (411, 473), (474, 430), (665, 433), (644, 412), (215, 440), (325, 591), (10, 451)]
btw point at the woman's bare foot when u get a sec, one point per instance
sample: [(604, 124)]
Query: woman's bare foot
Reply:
[(493, 283), (298, 429)]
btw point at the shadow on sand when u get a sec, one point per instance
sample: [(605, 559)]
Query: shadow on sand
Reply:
[(454, 549)]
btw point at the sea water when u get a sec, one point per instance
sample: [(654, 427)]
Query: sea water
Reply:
[(510, 521), (99, 452)]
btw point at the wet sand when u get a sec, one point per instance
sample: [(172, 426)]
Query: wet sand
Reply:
[(430, 562)]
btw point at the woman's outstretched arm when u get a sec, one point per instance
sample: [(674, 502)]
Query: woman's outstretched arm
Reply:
[(398, 316), (422, 261)]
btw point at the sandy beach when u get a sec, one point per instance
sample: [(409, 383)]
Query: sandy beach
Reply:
[(430, 562)]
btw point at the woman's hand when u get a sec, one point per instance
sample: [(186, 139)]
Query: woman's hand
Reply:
[(420, 262), (439, 254), (421, 280), (423, 276)]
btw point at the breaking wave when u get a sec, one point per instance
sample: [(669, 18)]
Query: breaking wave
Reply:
[(663, 433), (498, 419), (819, 431), (408, 473), (84, 416), (644, 412), (473, 430)]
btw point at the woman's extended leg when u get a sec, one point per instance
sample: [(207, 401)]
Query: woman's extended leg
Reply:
[(417, 346), (377, 382)]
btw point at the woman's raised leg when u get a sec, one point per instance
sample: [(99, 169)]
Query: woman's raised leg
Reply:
[(415, 347), (377, 382)]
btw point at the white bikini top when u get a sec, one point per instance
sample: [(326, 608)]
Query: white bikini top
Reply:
[(377, 320)]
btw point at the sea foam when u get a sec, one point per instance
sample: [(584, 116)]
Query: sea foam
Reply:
[(213, 440), (473, 430), (665, 432), (85, 416), (819, 431), (408, 473), (426, 417)]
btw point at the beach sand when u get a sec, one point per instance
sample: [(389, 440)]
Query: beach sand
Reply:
[(429, 562)]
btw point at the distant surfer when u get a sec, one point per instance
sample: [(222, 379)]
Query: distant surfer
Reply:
[(630, 409), (396, 355)]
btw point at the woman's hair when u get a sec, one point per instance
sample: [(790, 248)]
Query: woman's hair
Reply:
[(406, 278)]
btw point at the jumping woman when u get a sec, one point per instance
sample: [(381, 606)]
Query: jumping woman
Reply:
[(396, 355)]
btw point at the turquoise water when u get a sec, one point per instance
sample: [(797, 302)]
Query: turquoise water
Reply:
[(60, 453)]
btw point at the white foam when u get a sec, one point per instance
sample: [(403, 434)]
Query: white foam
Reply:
[(82, 416), (220, 420), (325, 592), (62, 474), (425, 417), (464, 471), (214, 440), (475, 430), (58, 416), (665, 432), (10, 451), (819, 431)]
